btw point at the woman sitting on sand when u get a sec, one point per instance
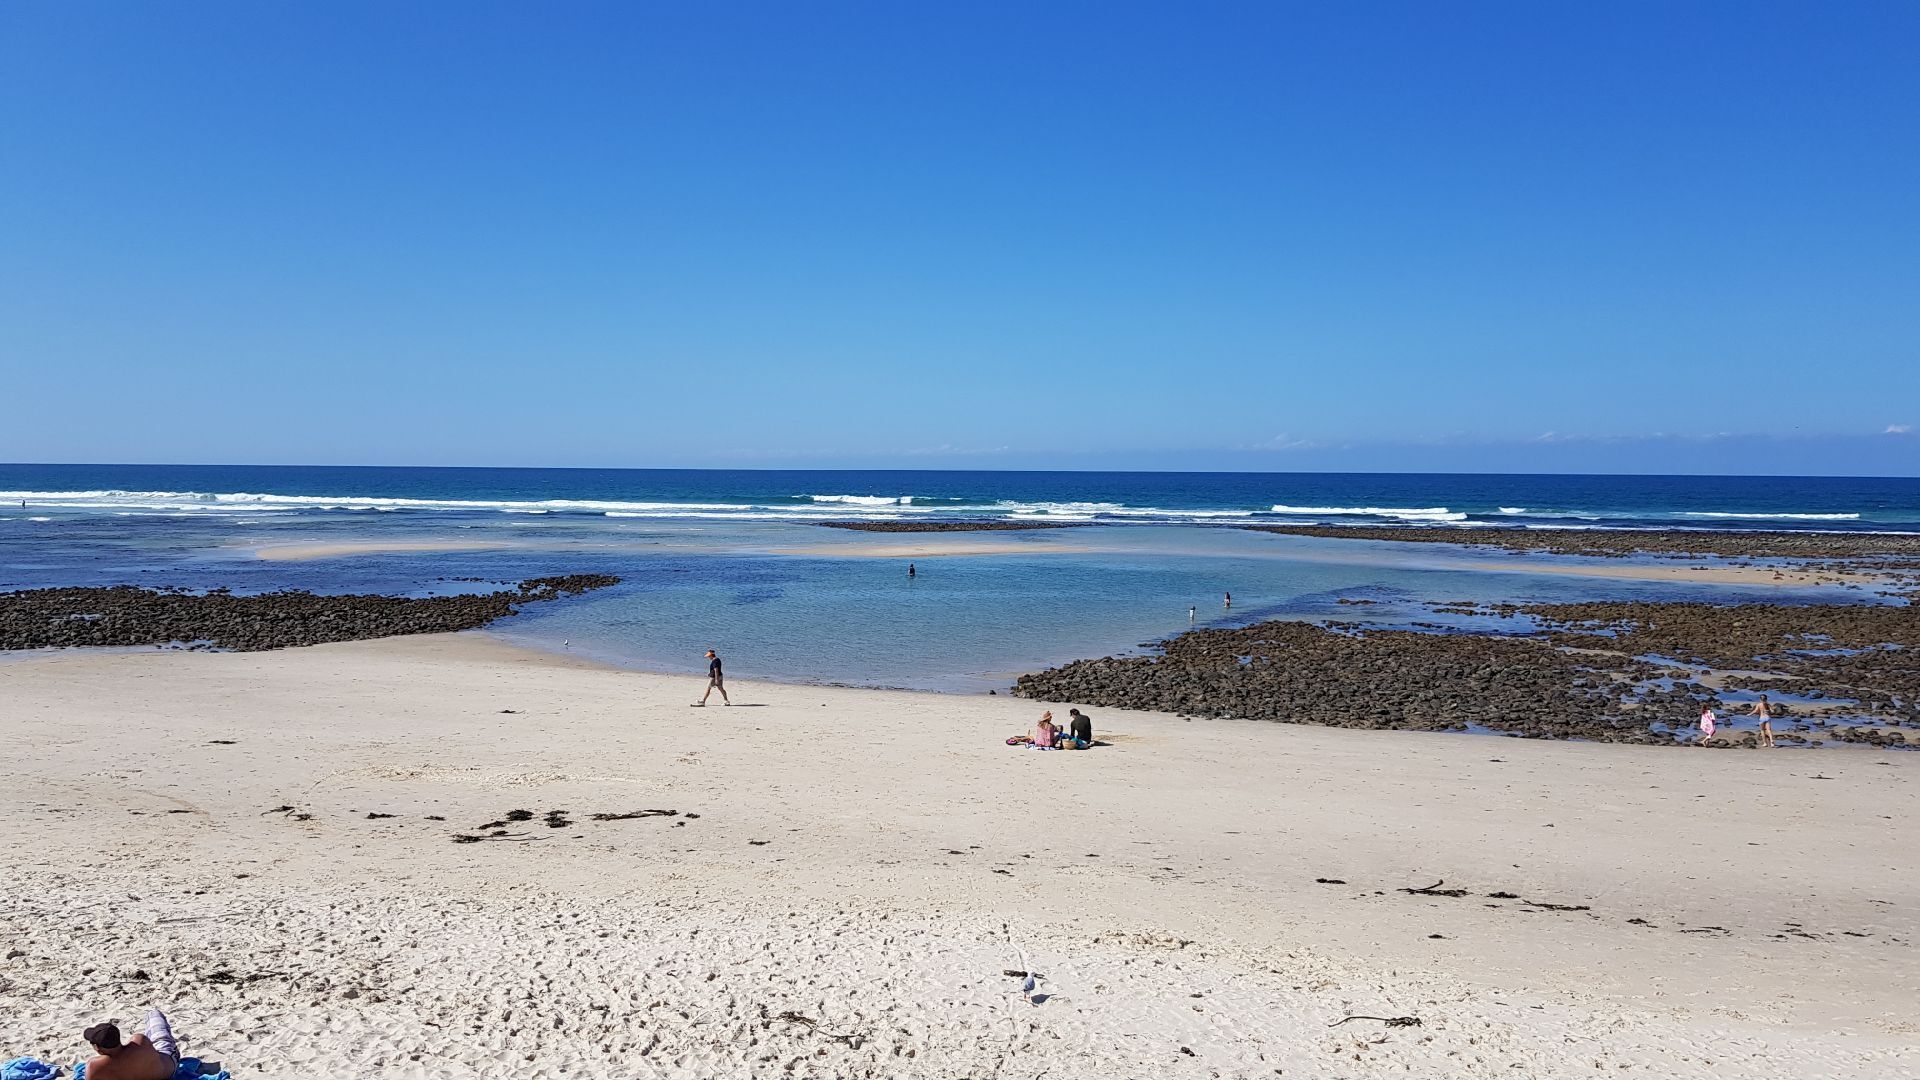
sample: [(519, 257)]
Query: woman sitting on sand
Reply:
[(1046, 733)]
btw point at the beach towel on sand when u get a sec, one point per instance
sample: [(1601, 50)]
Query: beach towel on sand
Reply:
[(188, 1069), (28, 1069)]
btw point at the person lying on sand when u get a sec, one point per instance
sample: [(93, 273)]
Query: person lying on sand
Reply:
[(153, 1055)]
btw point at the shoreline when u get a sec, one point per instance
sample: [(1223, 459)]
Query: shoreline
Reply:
[(886, 887)]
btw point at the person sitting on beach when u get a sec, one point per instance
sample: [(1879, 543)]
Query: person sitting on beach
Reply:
[(152, 1055), (1045, 734), (1765, 712), (1080, 726)]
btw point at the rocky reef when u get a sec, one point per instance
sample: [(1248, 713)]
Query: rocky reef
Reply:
[(126, 615), (1616, 672), (1619, 543)]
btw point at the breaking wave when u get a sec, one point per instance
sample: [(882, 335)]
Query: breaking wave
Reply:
[(1431, 513)]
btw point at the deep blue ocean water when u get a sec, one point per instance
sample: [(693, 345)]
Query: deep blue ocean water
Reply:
[(732, 559), (695, 494)]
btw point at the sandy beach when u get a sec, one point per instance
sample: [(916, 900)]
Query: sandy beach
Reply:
[(266, 843)]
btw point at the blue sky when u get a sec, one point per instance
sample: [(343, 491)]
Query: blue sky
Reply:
[(1608, 237)]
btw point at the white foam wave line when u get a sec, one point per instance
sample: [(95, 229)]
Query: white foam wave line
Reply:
[(261, 502), (1155, 512), (1513, 509), (1430, 513), (762, 515), (1771, 517), (862, 500), (1055, 509)]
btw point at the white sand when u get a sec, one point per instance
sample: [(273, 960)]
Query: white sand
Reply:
[(873, 861)]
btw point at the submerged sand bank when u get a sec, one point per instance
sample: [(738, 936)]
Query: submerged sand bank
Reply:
[(932, 547), (336, 549), (873, 861)]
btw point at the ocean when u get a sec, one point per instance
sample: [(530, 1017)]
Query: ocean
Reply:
[(734, 560), (1113, 497)]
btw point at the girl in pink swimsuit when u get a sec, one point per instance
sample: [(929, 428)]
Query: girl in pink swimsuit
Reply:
[(1706, 724)]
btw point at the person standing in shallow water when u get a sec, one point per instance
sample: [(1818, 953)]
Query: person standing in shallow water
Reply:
[(1229, 601), (715, 681), (911, 572), (1764, 711)]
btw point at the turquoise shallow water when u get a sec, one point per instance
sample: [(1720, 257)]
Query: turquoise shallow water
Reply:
[(787, 600), (976, 621)]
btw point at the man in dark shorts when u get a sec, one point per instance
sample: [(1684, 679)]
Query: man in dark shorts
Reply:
[(1080, 726), (715, 681), (153, 1055)]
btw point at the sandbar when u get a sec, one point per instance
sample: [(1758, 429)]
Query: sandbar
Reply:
[(933, 547), (335, 549)]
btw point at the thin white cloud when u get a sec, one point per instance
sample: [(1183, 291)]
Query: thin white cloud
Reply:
[(1284, 441), (946, 449), (1898, 429)]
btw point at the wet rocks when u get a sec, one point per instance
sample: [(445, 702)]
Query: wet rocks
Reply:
[(125, 615), (1588, 672), (1306, 674), (1622, 542)]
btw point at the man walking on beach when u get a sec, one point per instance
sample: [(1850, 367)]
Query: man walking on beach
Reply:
[(150, 1056), (715, 681)]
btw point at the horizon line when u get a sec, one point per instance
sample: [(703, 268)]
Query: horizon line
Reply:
[(844, 469)]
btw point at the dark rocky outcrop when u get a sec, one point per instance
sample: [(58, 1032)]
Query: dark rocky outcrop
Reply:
[(125, 615), (1618, 671), (1726, 543)]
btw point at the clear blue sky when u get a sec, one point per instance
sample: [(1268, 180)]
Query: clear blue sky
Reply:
[(1676, 236)]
